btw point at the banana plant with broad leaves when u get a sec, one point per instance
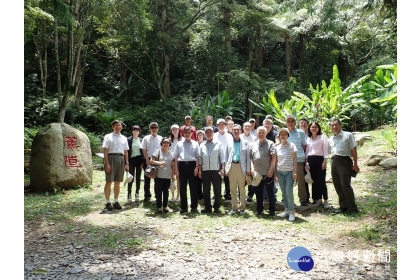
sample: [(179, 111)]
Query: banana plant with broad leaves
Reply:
[(217, 106), (327, 102)]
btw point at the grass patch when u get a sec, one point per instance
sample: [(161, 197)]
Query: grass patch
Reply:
[(110, 240), (369, 233), (61, 205)]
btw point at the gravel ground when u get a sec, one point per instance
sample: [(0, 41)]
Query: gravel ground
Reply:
[(175, 249)]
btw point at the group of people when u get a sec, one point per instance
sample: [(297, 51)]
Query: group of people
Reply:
[(258, 157)]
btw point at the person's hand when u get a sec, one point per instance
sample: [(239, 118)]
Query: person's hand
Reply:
[(294, 176), (199, 174), (270, 173), (356, 168), (126, 168), (196, 171), (108, 168), (324, 165)]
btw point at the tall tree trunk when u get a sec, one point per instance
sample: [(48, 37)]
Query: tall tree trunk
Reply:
[(301, 58), (288, 58), (259, 48)]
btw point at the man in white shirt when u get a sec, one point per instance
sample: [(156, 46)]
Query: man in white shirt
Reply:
[(115, 148), (225, 139), (149, 145), (187, 154)]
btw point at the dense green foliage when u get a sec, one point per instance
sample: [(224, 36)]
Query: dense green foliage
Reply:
[(87, 61)]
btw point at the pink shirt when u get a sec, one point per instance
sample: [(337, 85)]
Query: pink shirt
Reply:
[(317, 147)]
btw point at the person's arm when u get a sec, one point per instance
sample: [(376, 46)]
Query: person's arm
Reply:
[(106, 162), (126, 166), (354, 155), (197, 163), (294, 174)]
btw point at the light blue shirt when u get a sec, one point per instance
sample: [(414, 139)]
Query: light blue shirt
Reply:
[(298, 137), (342, 144)]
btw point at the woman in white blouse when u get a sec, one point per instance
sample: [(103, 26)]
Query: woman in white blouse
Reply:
[(316, 156), (175, 137)]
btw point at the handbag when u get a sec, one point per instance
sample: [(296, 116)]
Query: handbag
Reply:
[(151, 170)]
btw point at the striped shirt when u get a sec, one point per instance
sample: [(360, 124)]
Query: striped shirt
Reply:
[(285, 156), (298, 137), (187, 150)]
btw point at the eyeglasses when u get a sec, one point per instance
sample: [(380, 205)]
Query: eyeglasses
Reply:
[(153, 127)]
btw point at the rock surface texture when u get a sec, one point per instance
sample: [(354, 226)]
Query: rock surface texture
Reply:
[(60, 158)]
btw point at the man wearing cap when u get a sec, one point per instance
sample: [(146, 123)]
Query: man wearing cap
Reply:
[(248, 137), (238, 166), (275, 126), (115, 148), (263, 161), (298, 137), (209, 122), (343, 149), (149, 145), (225, 139), (187, 155), (253, 123), (188, 122), (229, 127)]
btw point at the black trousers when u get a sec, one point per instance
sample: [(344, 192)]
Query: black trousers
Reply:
[(268, 182), (341, 174), (227, 186), (147, 193), (135, 167), (250, 191), (162, 191), (211, 177), (199, 187), (319, 187), (186, 176)]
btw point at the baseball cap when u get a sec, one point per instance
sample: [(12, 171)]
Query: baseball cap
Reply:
[(174, 126), (290, 116), (187, 117), (207, 128), (221, 120), (200, 131), (128, 179), (153, 123), (252, 120), (283, 129)]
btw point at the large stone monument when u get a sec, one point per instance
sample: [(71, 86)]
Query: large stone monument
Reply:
[(60, 158)]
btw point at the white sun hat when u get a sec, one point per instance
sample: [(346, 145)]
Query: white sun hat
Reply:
[(256, 178), (128, 179)]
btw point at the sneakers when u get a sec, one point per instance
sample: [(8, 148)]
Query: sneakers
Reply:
[(318, 203), (183, 211), (108, 207), (205, 210), (249, 199), (326, 205), (291, 217), (116, 205), (284, 214), (137, 197), (129, 198), (166, 210), (242, 212)]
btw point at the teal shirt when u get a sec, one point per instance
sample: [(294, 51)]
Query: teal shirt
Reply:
[(135, 147), (236, 150)]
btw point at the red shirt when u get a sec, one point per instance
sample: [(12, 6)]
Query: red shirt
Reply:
[(193, 132)]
